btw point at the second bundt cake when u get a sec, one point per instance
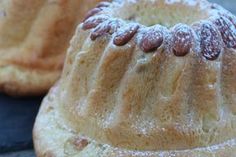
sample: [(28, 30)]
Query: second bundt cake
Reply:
[(34, 36), (145, 78)]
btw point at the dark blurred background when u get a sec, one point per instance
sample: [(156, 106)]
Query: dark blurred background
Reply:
[(17, 116)]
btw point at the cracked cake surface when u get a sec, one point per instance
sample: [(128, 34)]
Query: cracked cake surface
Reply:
[(146, 78)]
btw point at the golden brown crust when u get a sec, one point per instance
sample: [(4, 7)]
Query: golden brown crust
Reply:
[(34, 38), (144, 101), (53, 138), (18, 81), (129, 103)]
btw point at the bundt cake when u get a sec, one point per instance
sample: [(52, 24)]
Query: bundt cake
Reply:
[(34, 36), (145, 78)]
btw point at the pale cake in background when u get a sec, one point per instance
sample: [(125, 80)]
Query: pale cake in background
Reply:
[(34, 37)]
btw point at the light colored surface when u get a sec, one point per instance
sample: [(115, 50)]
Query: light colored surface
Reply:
[(34, 36), (130, 100), (54, 139)]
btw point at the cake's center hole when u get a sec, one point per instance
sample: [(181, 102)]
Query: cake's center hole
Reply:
[(160, 12)]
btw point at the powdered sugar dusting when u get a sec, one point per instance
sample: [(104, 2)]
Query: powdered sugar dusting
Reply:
[(182, 39), (107, 27), (124, 35), (94, 21), (208, 36), (121, 152), (210, 39), (227, 30), (151, 38), (188, 2)]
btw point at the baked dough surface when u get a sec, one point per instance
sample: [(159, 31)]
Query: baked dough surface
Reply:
[(53, 138), (128, 99), (34, 37)]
